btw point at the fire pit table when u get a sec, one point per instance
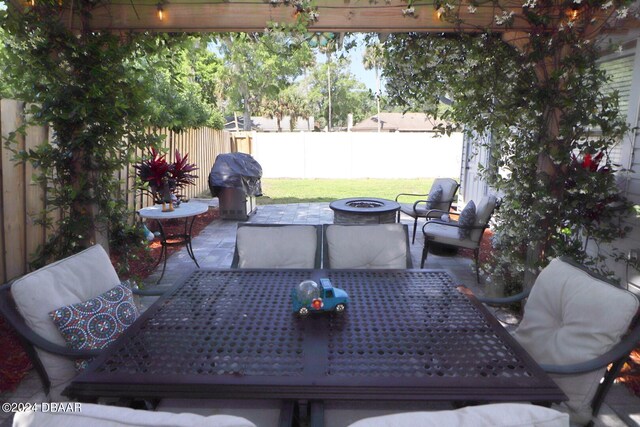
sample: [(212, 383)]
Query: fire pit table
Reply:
[(364, 210)]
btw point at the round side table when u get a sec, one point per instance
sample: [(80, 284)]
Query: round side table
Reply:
[(186, 211)]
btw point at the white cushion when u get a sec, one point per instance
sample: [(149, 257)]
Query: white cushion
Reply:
[(572, 317), (448, 235), (495, 415), (367, 246), (262, 412), (69, 281), (87, 414), (290, 246)]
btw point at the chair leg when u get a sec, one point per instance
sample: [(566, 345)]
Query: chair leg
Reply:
[(476, 255), (415, 225), (425, 252), (605, 386)]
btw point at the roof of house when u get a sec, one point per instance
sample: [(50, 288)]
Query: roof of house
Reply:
[(398, 122)]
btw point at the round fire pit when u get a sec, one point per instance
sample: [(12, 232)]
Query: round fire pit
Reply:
[(364, 210)]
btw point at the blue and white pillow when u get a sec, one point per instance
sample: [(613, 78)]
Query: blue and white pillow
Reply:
[(467, 220), (96, 323)]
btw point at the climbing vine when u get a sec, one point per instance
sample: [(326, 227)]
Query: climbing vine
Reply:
[(89, 89), (537, 102)]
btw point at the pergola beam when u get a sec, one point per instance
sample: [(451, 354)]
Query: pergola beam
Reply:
[(255, 16)]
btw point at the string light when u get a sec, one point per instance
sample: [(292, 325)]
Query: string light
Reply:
[(32, 3), (160, 12), (573, 13)]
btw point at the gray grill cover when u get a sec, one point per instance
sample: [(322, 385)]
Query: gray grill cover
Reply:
[(235, 170)]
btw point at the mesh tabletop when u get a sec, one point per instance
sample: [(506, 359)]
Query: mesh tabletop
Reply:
[(405, 335)]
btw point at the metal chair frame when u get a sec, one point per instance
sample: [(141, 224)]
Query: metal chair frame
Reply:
[(476, 250), (616, 357), (416, 215)]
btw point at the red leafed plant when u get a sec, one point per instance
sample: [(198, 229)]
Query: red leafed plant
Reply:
[(161, 178), (181, 171)]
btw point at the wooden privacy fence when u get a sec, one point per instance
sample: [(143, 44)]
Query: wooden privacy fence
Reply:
[(22, 200)]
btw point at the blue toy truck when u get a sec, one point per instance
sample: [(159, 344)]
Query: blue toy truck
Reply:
[(308, 297)]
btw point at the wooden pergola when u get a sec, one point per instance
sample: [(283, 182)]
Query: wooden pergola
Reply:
[(383, 16)]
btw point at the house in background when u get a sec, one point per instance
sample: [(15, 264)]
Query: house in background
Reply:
[(623, 66), (398, 122)]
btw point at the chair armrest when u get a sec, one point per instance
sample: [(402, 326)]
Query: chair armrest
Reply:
[(505, 300), (620, 350), (440, 211), (410, 194), (17, 322)]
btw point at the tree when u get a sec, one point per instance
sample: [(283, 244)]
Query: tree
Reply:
[(538, 96), (347, 93), (374, 59), (93, 93), (259, 66), (183, 84), (290, 102)]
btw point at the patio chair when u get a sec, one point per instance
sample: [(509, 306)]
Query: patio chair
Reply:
[(277, 246), (441, 196), (108, 416), (27, 302), (491, 415), (580, 328), (449, 234), (378, 246)]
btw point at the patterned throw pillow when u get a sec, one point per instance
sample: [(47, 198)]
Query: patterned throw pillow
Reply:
[(467, 219), (435, 196), (96, 323)]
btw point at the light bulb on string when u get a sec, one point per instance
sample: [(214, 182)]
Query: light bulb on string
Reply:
[(160, 12)]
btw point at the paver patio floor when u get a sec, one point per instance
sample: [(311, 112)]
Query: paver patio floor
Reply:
[(214, 248)]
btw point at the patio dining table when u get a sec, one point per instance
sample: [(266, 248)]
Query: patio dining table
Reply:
[(406, 335)]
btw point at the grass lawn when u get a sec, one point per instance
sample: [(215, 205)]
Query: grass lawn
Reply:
[(283, 190)]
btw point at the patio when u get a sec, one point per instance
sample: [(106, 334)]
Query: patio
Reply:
[(214, 248)]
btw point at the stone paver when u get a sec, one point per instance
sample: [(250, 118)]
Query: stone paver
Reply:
[(214, 248)]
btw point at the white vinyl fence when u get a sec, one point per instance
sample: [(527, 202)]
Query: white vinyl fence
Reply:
[(357, 154)]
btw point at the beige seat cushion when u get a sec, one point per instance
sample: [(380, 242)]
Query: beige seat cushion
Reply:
[(87, 414), (367, 246), (77, 278), (571, 317), (290, 246), (448, 235), (484, 209), (495, 415)]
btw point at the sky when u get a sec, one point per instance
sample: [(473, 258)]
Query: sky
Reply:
[(368, 77)]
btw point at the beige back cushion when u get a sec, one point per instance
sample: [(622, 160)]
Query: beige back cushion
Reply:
[(572, 317), (289, 246), (92, 415), (449, 187), (484, 209), (495, 415), (72, 280), (367, 246)]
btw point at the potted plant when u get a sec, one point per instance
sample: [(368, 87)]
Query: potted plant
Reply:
[(161, 179)]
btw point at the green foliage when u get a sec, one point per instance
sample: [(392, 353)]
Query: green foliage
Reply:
[(539, 108), (184, 84), (348, 95), (91, 91), (259, 66)]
